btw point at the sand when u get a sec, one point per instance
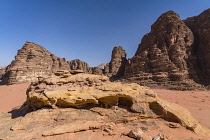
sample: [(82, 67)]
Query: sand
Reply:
[(197, 102), (12, 96)]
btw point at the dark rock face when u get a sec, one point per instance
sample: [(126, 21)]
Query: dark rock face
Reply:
[(200, 26), (79, 65), (167, 53), (97, 71), (32, 61), (116, 67), (2, 72), (118, 60)]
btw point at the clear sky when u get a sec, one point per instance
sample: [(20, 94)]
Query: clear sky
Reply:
[(83, 29)]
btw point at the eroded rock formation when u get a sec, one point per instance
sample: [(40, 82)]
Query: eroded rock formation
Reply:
[(171, 54), (2, 72), (90, 106), (79, 65), (200, 26), (80, 90), (118, 60), (33, 61)]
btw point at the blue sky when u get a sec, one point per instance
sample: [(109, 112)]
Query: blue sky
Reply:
[(83, 29)]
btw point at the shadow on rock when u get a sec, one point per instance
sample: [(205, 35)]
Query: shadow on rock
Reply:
[(20, 112)]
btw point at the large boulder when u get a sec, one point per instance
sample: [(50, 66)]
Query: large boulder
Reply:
[(80, 90)]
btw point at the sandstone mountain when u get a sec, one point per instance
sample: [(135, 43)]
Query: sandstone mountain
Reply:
[(32, 61), (200, 26), (117, 63), (90, 106), (175, 52)]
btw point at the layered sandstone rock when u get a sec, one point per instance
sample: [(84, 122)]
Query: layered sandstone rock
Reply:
[(97, 70), (102, 65), (90, 107), (167, 55), (33, 61), (118, 60), (79, 65), (2, 72), (80, 90), (200, 26)]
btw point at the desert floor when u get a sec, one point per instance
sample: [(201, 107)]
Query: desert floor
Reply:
[(197, 102), (12, 96)]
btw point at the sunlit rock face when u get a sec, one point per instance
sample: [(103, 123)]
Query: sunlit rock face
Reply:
[(33, 61), (169, 53), (77, 64), (118, 60), (79, 90)]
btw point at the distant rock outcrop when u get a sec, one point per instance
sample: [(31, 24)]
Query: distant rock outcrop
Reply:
[(118, 60), (32, 61), (102, 65), (79, 65), (168, 54)]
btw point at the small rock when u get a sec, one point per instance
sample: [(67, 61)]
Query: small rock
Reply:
[(159, 137), (135, 133)]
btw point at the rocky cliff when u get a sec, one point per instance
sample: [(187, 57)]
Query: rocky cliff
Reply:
[(118, 60), (200, 26), (2, 72), (116, 67), (32, 61), (169, 54)]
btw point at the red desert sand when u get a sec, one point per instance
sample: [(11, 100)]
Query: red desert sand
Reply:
[(197, 102), (12, 96)]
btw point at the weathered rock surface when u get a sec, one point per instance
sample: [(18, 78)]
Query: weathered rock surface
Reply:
[(2, 72), (97, 71), (69, 89), (116, 67), (102, 65), (79, 65), (200, 26), (32, 61), (101, 110), (118, 60), (168, 54)]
